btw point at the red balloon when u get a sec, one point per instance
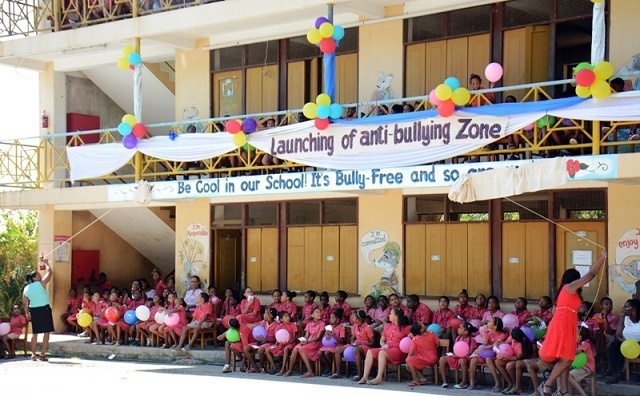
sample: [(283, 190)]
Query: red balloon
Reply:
[(455, 323), (233, 126), (112, 314), (322, 123), (225, 321), (132, 67), (327, 45), (446, 108), (139, 130), (585, 77)]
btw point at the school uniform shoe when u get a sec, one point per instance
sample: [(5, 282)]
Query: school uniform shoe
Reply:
[(445, 385), (186, 348), (83, 335), (226, 368)]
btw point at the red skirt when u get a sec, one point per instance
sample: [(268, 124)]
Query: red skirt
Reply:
[(420, 362), (395, 355)]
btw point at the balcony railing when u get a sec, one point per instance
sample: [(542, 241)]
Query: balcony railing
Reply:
[(40, 162), (27, 17)]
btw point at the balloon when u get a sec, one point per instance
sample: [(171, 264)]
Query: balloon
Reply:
[(452, 82), (85, 310), (443, 92), (5, 328), (540, 333), (338, 33), (129, 119), (585, 77), (329, 342), (309, 110), (239, 139), (510, 321), (320, 21), (233, 126), (327, 46), (434, 327), (405, 344), (461, 96), (135, 59), (282, 335), (124, 129), (259, 332), (123, 64), (143, 313), (349, 354), (159, 317), (600, 89), (323, 99), (541, 123), (475, 323), (225, 321), (112, 314), (171, 319), (505, 350), (630, 349), (130, 317), (248, 147), (582, 65), (128, 50), (433, 98), (461, 349), (579, 361), (314, 36), (446, 108), (139, 130), (215, 300), (130, 142), (487, 353), (567, 122), (132, 67), (479, 339), (603, 70), (528, 127), (321, 123), (232, 335), (84, 319), (249, 125), (455, 323), (323, 111), (326, 30), (583, 92), (528, 331), (335, 110), (596, 1), (493, 72)]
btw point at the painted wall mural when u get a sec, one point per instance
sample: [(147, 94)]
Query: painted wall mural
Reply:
[(625, 272), (193, 256), (381, 253)]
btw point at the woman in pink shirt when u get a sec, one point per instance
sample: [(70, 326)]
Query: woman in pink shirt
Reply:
[(249, 308), (309, 345), (18, 322)]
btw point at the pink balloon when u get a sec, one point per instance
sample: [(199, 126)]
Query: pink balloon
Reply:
[(510, 321), (479, 339), (505, 350), (475, 323), (5, 328), (215, 300), (493, 72), (171, 319), (433, 98), (528, 127), (282, 335), (461, 349), (405, 344)]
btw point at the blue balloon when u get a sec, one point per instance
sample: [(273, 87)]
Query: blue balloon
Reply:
[(124, 129), (452, 82), (338, 33), (323, 111), (435, 328), (335, 110), (130, 317), (135, 59)]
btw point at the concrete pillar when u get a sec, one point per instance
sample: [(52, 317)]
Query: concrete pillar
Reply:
[(53, 100), (192, 89)]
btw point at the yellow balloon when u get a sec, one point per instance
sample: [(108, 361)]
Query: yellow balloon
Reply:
[(600, 89), (129, 119), (314, 36), (596, 1), (239, 139), (326, 30), (461, 96), (84, 319), (603, 70), (323, 99), (443, 92), (128, 50), (309, 110), (123, 64), (583, 92)]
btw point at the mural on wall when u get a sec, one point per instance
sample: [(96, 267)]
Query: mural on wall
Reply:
[(193, 255), (383, 89), (382, 254), (192, 113), (631, 67), (625, 272)]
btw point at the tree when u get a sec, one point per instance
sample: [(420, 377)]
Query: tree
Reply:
[(18, 254)]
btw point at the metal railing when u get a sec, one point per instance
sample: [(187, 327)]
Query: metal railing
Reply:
[(25, 164)]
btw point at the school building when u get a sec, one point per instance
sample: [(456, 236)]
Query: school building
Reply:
[(242, 217)]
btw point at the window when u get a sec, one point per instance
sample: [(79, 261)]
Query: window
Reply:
[(526, 12), (227, 215), (573, 8), (467, 21), (337, 211), (580, 205), (470, 21), (526, 207), (262, 214), (426, 27)]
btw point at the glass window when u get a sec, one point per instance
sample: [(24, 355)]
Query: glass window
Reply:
[(526, 207), (262, 53), (306, 212), (426, 27), (227, 58), (343, 211), (350, 41), (300, 48), (472, 211), (262, 214), (526, 12), (425, 208), (470, 21), (225, 215), (580, 205), (573, 8)]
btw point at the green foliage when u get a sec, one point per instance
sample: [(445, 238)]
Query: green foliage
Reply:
[(18, 255)]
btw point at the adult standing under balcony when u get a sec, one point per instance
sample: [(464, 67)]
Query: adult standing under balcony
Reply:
[(35, 299)]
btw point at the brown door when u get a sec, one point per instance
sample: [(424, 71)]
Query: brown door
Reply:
[(228, 259)]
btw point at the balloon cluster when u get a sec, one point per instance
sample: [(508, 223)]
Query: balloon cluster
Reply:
[(132, 130), (325, 35), (592, 80), (240, 129), (447, 95), (321, 110), (130, 60)]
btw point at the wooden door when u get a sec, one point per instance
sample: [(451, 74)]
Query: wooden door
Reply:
[(312, 256), (262, 89), (295, 84), (436, 63), (539, 53), (517, 67), (347, 78), (295, 258), (457, 59), (436, 259), (262, 258), (349, 258), (415, 259), (415, 70), (330, 279), (457, 252), (478, 258), (513, 259), (536, 260), (228, 258), (479, 50), (254, 259), (227, 93)]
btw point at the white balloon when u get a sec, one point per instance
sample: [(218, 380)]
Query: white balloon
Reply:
[(143, 313), (159, 317)]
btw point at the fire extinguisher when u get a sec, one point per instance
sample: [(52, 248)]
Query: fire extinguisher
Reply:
[(45, 119)]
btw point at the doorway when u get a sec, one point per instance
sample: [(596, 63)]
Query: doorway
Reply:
[(228, 259)]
